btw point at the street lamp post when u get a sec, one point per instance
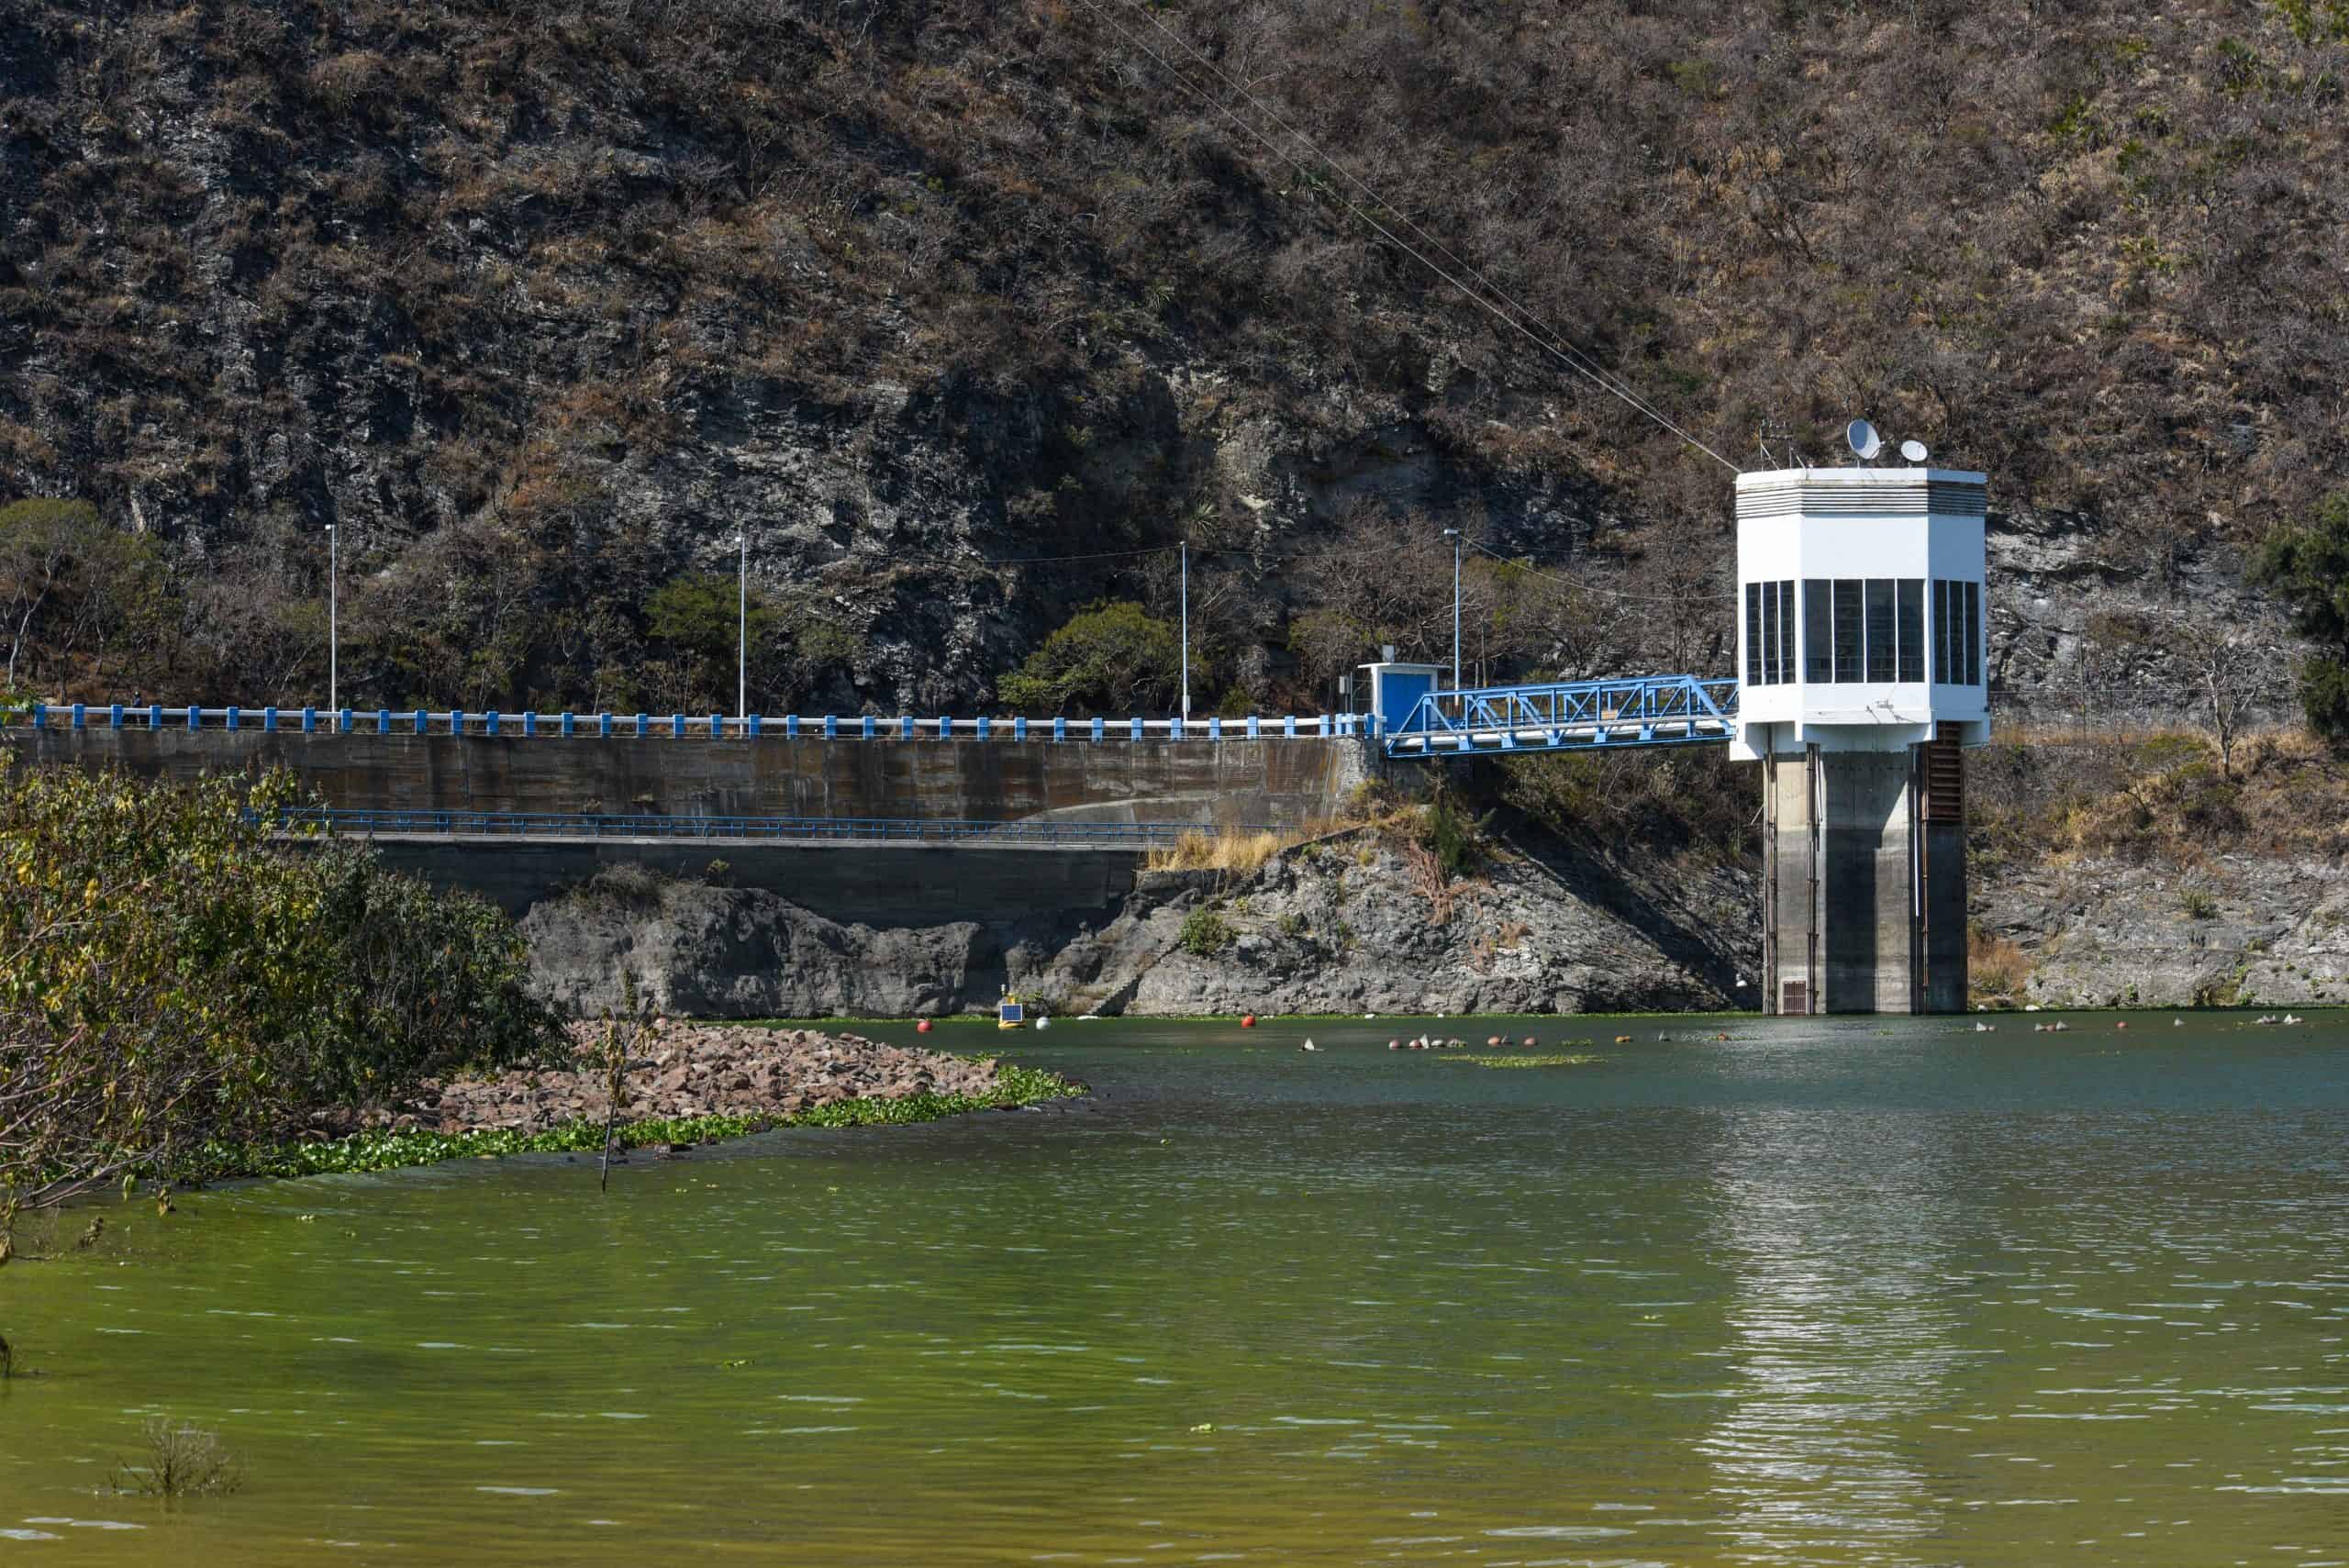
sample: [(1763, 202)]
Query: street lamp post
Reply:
[(1453, 535), (334, 627), (742, 632), (1186, 630)]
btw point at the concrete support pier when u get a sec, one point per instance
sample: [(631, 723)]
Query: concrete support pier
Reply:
[(1865, 880)]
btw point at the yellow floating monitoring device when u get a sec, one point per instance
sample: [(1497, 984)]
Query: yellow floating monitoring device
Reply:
[(1010, 1014)]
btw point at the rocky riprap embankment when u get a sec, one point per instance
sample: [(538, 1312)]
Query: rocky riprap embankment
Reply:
[(679, 1069)]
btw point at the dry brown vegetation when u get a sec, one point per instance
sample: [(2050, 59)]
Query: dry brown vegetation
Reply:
[(1995, 969), (2160, 797), (463, 278), (1226, 849)]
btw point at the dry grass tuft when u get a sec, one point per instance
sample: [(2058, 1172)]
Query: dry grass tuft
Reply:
[(1996, 970), (1224, 849)]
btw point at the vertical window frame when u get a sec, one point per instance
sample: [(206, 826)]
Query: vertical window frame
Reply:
[(1881, 662), (1818, 630), (1753, 634), (1973, 617), (1908, 630), (1850, 628), (1788, 670)]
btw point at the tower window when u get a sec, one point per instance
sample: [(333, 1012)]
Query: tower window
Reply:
[(1881, 664), (1848, 641), (1818, 630), (1958, 632), (1912, 633), (1769, 633)]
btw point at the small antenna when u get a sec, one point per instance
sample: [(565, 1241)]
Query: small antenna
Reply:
[(1914, 450), (1864, 440)]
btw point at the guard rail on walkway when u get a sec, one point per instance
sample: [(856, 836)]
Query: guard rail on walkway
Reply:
[(716, 726), (765, 830)]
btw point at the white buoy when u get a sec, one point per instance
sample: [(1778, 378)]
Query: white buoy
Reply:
[(1309, 1044), (1043, 1023)]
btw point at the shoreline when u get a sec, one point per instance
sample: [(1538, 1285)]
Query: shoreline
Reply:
[(1266, 1020), (684, 1084)]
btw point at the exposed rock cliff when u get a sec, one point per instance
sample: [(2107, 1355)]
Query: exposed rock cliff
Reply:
[(2240, 930), (1337, 925)]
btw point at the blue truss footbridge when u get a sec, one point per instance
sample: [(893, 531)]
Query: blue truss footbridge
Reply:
[(1565, 716)]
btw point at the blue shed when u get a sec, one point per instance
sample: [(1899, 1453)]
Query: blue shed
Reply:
[(1396, 690)]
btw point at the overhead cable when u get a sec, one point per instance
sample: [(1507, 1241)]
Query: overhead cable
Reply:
[(1532, 570), (1516, 317), (896, 558)]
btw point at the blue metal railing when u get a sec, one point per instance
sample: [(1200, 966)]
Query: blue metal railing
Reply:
[(784, 829), (684, 726), (1644, 710)]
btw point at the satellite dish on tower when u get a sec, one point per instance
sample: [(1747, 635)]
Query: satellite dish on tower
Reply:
[(1864, 439), (1913, 450)]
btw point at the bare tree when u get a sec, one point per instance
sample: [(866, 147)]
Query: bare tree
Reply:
[(2237, 678)]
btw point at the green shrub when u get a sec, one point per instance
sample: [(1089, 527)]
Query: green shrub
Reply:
[(2198, 904), (1206, 932), (1450, 835), (704, 614), (2307, 566), (171, 973), (1110, 658)]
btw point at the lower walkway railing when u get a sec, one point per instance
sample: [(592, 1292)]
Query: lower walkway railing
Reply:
[(779, 830)]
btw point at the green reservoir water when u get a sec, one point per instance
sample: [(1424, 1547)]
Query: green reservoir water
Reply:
[(1856, 1292)]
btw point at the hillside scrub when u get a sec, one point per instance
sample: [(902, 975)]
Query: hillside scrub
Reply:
[(173, 976), (541, 305), (1692, 799), (2161, 798)]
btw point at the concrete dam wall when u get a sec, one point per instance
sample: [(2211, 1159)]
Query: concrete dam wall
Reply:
[(1271, 782)]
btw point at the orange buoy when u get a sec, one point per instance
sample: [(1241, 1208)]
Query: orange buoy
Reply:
[(1247, 1020), (922, 1028), (1622, 1040)]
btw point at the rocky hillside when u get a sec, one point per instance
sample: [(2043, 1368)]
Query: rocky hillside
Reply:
[(540, 305)]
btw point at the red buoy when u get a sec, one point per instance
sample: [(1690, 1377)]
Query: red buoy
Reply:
[(922, 1028), (1247, 1020)]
